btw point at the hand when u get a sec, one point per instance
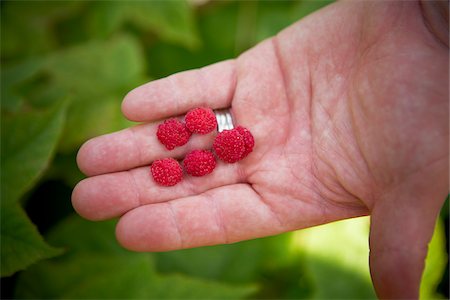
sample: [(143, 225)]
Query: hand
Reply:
[(349, 111)]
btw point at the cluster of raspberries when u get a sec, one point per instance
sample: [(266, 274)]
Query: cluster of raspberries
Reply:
[(229, 145)]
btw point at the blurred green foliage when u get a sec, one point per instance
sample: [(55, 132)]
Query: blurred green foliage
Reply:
[(94, 266), (66, 65)]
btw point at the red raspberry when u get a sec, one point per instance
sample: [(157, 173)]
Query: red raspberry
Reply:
[(199, 162), (173, 133), (167, 171), (248, 140), (229, 146), (201, 120)]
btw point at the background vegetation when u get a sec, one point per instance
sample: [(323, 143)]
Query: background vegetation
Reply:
[(65, 67)]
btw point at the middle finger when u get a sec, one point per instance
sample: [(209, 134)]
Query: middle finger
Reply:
[(130, 148)]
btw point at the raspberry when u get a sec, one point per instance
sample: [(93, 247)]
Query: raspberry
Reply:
[(201, 120), (229, 146), (248, 140), (167, 171), (199, 162), (173, 133)]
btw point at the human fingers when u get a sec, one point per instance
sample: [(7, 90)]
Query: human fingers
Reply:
[(130, 148), (111, 195), (223, 215), (212, 86)]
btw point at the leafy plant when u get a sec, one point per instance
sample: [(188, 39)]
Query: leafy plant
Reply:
[(28, 141), (95, 266)]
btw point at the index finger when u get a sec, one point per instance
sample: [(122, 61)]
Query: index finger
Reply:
[(212, 86)]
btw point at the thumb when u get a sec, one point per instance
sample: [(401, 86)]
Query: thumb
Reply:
[(402, 224)]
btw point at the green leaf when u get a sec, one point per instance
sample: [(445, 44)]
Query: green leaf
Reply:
[(269, 261), (95, 266), (336, 256), (92, 117), (217, 262), (211, 22), (303, 8), (182, 287), (31, 21), (96, 68), (274, 16), (87, 276), (80, 236), (96, 75), (171, 21), (28, 141), (64, 167), (104, 18), (21, 244), (221, 262), (166, 59), (11, 77), (434, 264), (116, 277)]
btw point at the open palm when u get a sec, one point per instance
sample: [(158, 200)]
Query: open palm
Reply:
[(349, 112)]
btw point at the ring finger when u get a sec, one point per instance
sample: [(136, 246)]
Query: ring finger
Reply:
[(111, 195)]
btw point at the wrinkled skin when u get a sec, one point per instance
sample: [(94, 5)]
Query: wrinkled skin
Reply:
[(349, 110)]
